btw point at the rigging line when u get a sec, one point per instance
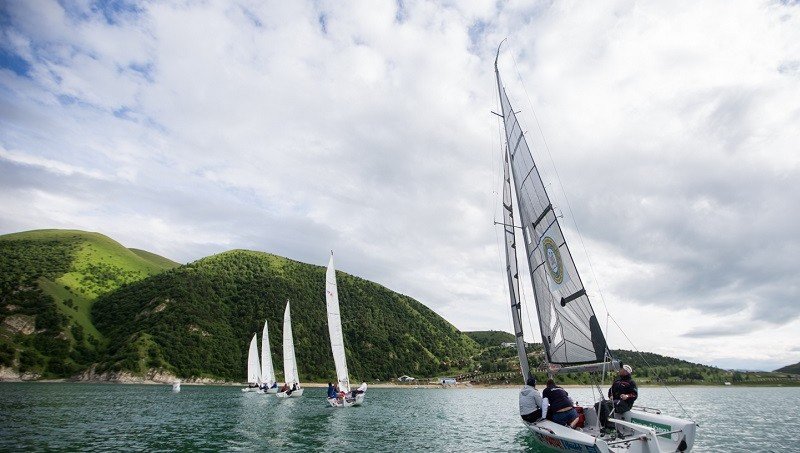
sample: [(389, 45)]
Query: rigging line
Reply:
[(577, 229), (685, 412), (560, 183)]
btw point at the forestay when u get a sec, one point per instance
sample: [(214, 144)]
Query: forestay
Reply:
[(335, 327), (570, 332)]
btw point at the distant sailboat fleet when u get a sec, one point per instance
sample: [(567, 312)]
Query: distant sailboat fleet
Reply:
[(261, 373)]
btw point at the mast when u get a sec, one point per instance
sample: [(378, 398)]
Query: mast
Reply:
[(570, 332), (335, 327), (512, 266)]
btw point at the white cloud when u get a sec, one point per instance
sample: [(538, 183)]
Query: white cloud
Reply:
[(296, 127)]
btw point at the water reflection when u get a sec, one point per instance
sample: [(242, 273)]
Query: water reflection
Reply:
[(71, 417)]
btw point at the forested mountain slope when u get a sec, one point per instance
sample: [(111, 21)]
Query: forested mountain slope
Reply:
[(197, 320)]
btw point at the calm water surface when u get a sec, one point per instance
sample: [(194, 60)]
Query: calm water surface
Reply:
[(105, 417)]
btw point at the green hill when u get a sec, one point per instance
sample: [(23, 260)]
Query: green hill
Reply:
[(487, 338), (791, 369), (49, 280), (158, 260), (197, 320)]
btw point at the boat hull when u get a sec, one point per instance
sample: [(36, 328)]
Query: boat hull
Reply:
[(295, 394), (250, 389), (336, 402), (641, 429)]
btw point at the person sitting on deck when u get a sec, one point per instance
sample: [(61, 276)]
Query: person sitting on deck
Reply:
[(331, 391), (361, 389), (284, 388), (560, 404), (530, 402), (623, 391)]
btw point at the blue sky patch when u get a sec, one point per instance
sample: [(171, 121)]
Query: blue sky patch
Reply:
[(12, 61)]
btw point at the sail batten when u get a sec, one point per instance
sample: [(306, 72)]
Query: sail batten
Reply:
[(335, 327), (569, 328)]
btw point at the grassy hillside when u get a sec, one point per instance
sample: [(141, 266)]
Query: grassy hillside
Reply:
[(791, 369), (49, 280), (197, 320), (158, 260)]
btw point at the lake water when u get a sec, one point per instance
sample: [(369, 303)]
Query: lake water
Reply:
[(108, 417)]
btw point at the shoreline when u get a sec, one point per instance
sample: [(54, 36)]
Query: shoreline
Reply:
[(381, 385)]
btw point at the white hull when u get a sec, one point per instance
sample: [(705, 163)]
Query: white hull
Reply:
[(250, 389), (336, 402), (296, 393), (641, 435)]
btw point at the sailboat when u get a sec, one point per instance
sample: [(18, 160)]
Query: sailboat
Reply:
[(289, 360), (253, 367), (337, 342), (572, 338), (267, 371)]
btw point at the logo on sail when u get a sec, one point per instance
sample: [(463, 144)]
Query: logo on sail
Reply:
[(553, 257)]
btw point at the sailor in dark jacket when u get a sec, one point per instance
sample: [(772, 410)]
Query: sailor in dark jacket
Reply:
[(623, 391), (560, 405)]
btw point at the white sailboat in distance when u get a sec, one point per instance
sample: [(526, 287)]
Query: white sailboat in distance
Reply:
[(337, 343), (572, 338), (268, 382), (292, 387), (253, 367)]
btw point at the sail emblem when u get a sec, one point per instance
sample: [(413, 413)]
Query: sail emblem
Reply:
[(554, 264)]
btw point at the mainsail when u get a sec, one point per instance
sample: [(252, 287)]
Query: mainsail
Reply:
[(267, 372), (289, 361), (512, 270), (335, 327), (253, 367), (570, 332)]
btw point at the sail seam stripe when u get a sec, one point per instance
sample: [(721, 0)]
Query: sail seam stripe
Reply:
[(529, 174)]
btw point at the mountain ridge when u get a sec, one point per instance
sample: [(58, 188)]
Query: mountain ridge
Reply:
[(49, 280)]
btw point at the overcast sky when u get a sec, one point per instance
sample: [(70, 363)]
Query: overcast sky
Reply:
[(190, 128)]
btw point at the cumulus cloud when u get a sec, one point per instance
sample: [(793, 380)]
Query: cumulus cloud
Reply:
[(295, 127)]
